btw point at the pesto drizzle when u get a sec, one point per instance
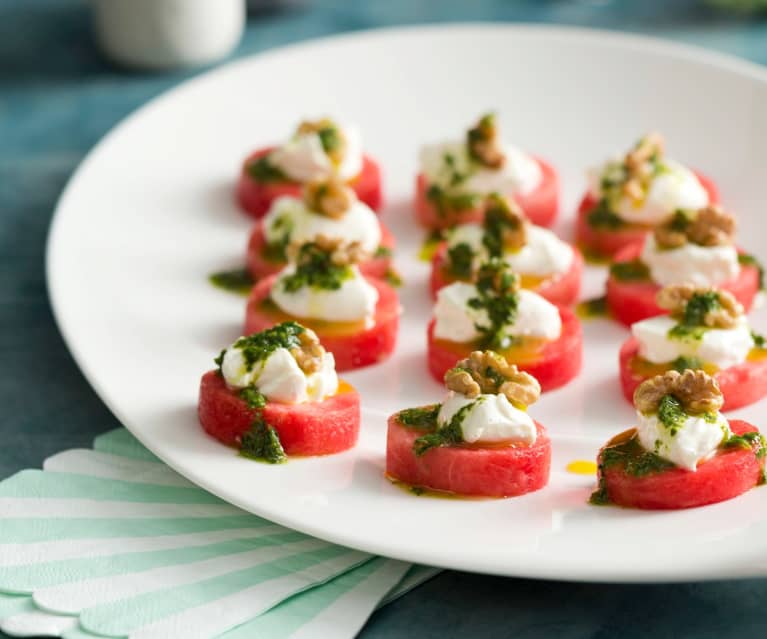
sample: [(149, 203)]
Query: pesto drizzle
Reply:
[(745, 259), (461, 260), (315, 269), (691, 324), (448, 435), (238, 280), (682, 363), (630, 271), (496, 295), (257, 348), (423, 417), (262, 170)]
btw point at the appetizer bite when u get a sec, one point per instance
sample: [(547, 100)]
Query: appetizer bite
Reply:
[(355, 317), (705, 329), (545, 264), (318, 149), (494, 313), (480, 441), (683, 452), (694, 247), (275, 394), (329, 207), (456, 177), (631, 196)]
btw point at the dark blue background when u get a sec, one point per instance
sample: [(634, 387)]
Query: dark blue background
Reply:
[(58, 97)]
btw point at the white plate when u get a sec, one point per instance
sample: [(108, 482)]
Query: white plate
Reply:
[(150, 214)]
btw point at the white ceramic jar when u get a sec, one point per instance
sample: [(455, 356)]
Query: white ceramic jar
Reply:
[(163, 34)]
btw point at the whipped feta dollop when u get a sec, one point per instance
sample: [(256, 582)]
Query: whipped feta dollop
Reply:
[(722, 347), (675, 187), (442, 163), (355, 299), (303, 157), (543, 255), (456, 321), (690, 263), (290, 216), (492, 418), (279, 378), (694, 441)]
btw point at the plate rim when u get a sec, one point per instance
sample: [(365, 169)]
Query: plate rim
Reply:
[(54, 247)]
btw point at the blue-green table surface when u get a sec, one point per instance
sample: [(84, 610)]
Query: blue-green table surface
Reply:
[(58, 97)]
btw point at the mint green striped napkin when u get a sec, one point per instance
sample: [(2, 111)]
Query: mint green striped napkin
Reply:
[(110, 542)]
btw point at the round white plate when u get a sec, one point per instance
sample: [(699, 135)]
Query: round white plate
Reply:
[(150, 214)]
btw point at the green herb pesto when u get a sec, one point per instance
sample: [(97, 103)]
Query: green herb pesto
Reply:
[(423, 417), (316, 269), (752, 440), (253, 397), (759, 340), (691, 325), (393, 278), (497, 221), (448, 435), (262, 443), (602, 217), (262, 170), (238, 281), (382, 251), (630, 271), (330, 138), (596, 307), (461, 260), (682, 363), (446, 203), (496, 295), (680, 221), (276, 249), (750, 260), (632, 458), (257, 348), (671, 414), (430, 245), (484, 129)]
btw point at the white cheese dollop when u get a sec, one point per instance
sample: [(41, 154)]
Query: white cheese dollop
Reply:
[(543, 255), (723, 347), (355, 300), (690, 263), (302, 158), (279, 377), (493, 418), (676, 187), (290, 215), (694, 441), (455, 320), (520, 173)]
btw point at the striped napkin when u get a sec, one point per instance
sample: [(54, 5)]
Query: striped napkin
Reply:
[(111, 542)]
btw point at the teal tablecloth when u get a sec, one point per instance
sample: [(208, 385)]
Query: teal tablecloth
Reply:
[(58, 97)]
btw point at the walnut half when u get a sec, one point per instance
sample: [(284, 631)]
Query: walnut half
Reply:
[(310, 353), (484, 144), (341, 252), (508, 215), (338, 150), (697, 391), (638, 168), (331, 197), (709, 226), (675, 299), (488, 372)]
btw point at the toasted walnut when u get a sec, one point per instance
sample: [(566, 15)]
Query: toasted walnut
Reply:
[(334, 151), (489, 372), (331, 197), (724, 314), (712, 226), (506, 215), (310, 353), (484, 144), (637, 165), (697, 391), (341, 252)]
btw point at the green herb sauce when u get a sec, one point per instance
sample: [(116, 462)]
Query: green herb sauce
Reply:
[(632, 458), (446, 202), (257, 348), (237, 281), (423, 418), (682, 363), (461, 260), (691, 325), (393, 278), (596, 307), (496, 295), (750, 260), (631, 271), (315, 269), (330, 138), (448, 435), (262, 170), (262, 443), (602, 217), (671, 413)]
